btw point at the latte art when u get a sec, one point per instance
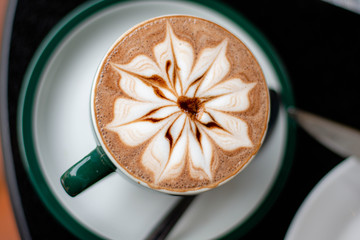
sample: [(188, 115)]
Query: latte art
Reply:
[(181, 106)]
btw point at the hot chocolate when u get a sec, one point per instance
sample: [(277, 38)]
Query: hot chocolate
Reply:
[(181, 103)]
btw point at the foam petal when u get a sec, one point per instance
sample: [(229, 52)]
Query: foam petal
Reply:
[(142, 90), (135, 122), (210, 68), (165, 157), (200, 151), (227, 131), (231, 95)]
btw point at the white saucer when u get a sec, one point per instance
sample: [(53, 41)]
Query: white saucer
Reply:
[(332, 209), (55, 132)]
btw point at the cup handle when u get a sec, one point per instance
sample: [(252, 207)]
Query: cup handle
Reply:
[(86, 172)]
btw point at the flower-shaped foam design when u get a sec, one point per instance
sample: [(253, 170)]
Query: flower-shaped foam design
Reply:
[(181, 106)]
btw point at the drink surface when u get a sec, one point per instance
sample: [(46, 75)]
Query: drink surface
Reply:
[(181, 103)]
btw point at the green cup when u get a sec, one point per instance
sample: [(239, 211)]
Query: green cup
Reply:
[(93, 167)]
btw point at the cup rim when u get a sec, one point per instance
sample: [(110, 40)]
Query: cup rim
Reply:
[(119, 168)]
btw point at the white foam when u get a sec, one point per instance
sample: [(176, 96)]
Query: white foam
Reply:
[(158, 156), (138, 132), (214, 63), (233, 96), (141, 65), (184, 55), (234, 135), (200, 156), (137, 89), (128, 110), (178, 127)]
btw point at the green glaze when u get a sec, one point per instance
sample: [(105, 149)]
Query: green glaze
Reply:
[(86, 172)]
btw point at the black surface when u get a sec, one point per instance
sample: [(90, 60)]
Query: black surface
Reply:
[(320, 48)]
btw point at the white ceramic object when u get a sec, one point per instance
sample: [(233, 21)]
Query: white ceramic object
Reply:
[(332, 210)]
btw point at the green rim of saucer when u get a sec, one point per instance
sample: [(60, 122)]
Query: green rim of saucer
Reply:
[(27, 101)]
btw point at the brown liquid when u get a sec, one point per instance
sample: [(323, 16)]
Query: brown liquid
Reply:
[(200, 34)]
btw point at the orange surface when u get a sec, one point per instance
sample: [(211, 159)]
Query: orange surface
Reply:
[(8, 228)]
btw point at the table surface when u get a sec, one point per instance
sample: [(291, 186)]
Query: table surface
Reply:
[(8, 228), (319, 45)]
